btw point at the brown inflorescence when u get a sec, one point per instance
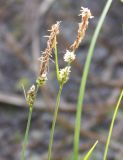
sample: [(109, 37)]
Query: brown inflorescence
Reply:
[(48, 51), (85, 14)]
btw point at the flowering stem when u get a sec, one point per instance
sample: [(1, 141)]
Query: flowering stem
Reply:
[(54, 121), (56, 60), (84, 80), (111, 127), (26, 133)]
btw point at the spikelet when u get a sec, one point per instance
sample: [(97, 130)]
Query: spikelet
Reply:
[(86, 15), (30, 97), (64, 74), (54, 31), (69, 57)]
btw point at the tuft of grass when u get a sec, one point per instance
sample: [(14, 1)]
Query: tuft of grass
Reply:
[(112, 125), (84, 80), (62, 77)]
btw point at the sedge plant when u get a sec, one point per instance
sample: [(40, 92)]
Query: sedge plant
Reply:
[(84, 80), (30, 96), (62, 77), (63, 74)]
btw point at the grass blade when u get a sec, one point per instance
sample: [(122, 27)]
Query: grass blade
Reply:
[(112, 125), (90, 151)]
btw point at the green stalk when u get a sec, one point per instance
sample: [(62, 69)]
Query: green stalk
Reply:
[(26, 134), (57, 101), (54, 121), (84, 80), (112, 125)]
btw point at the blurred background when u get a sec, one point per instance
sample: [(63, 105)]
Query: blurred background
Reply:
[(23, 23)]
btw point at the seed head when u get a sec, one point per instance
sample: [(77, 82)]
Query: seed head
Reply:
[(64, 74), (85, 12), (30, 98), (47, 53), (86, 15), (69, 56)]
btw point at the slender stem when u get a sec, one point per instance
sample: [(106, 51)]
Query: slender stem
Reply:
[(112, 125), (56, 60), (54, 121), (84, 80), (26, 134)]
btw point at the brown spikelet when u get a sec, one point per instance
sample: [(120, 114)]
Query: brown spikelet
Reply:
[(85, 14), (48, 51)]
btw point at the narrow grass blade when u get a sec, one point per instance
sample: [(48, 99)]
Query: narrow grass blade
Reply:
[(84, 80), (112, 125), (90, 151)]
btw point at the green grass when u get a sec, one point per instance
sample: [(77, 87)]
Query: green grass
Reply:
[(87, 156), (112, 125)]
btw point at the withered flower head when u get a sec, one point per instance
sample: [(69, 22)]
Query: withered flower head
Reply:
[(47, 53), (86, 15), (30, 97)]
